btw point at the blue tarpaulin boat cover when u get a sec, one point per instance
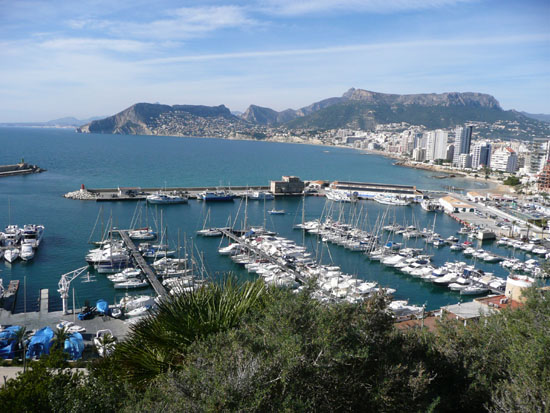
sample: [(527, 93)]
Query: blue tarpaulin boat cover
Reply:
[(102, 307), (7, 342), (40, 343), (74, 345)]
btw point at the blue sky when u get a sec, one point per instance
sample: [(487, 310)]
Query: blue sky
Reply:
[(97, 57)]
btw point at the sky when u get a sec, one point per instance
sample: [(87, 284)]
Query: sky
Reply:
[(97, 57)]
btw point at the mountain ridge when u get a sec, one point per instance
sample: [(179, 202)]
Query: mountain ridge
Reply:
[(355, 109)]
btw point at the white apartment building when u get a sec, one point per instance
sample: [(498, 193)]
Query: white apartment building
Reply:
[(436, 145), (505, 160)]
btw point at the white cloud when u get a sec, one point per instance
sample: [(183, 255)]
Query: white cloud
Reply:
[(497, 40), (91, 44), (300, 7), (181, 23)]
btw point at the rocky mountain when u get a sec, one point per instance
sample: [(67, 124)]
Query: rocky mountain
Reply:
[(355, 109), (358, 107), (177, 120), (538, 116)]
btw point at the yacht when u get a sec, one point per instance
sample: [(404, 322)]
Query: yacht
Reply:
[(162, 198), (209, 232), (32, 234), (27, 252), (260, 195), (11, 254), (216, 196), (12, 235), (131, 284), (429, 205), (142, 234), (388, 199)]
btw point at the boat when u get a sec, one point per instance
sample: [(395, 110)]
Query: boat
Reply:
[(11, 254), (163, 198), (32, 234), (429, 205), (27, 252), (12, 235), (131, 284), (388, 199), (474, 290), (260, 195), (276, 212), (142, 234), (216, 196)]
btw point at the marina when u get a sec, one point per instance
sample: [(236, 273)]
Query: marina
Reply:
[(63, 248)]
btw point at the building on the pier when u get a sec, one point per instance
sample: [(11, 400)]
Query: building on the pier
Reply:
[(454, 205), (368, 191), (475, 196), (288, 185)]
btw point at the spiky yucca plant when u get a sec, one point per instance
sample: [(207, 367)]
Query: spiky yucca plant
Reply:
[(158, 343)]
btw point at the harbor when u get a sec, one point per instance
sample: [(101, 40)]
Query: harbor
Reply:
[(68, 223)]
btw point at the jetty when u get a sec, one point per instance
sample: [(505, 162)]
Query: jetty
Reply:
[(21, 168), (140, 261), (258, 252)]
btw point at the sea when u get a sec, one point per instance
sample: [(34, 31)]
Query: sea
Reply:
[(110, 161)]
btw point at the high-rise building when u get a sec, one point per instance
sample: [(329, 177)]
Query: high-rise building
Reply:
[(463, 139), (436, 145), (481, 155), (538, 155), (464, 161), (505, 160)]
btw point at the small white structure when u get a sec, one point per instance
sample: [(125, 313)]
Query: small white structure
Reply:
[(452, 205)]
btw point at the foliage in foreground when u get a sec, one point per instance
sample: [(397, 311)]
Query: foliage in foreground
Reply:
[(287, 352)]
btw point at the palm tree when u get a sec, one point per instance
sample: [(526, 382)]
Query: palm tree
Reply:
[(21, 339), (60, 335), (106, 344), (158, 342)]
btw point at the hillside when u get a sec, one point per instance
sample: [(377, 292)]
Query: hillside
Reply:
[(356, 109), (361, 109), (176, 120)]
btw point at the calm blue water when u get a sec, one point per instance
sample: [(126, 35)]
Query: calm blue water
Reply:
[(110, 160)]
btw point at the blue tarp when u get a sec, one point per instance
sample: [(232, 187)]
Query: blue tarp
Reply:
[(40, 343), (74, 345), (102, 307), (7, 342), (7, 334)]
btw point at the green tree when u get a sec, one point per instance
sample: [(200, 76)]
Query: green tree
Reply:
[(60, 335), (158, 343)]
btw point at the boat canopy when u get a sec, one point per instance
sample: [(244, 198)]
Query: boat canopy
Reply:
[(74, 346), (40, 343), (102, 307)]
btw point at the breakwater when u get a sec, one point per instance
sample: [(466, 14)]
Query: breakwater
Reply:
[(21, 168)]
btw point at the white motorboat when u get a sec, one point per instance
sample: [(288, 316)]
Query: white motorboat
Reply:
[(388, 199), (32, 234), (276, 212), (138, 311), (209, 232), (260, 195), (231, 249), (457, 247), (12, 235), (27, 252), (142, 234), (11, 254), (474, 290), (131, 284), (163, 198)]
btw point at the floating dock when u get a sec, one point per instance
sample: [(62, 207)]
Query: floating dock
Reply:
[(9, 296), (140, 261)]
